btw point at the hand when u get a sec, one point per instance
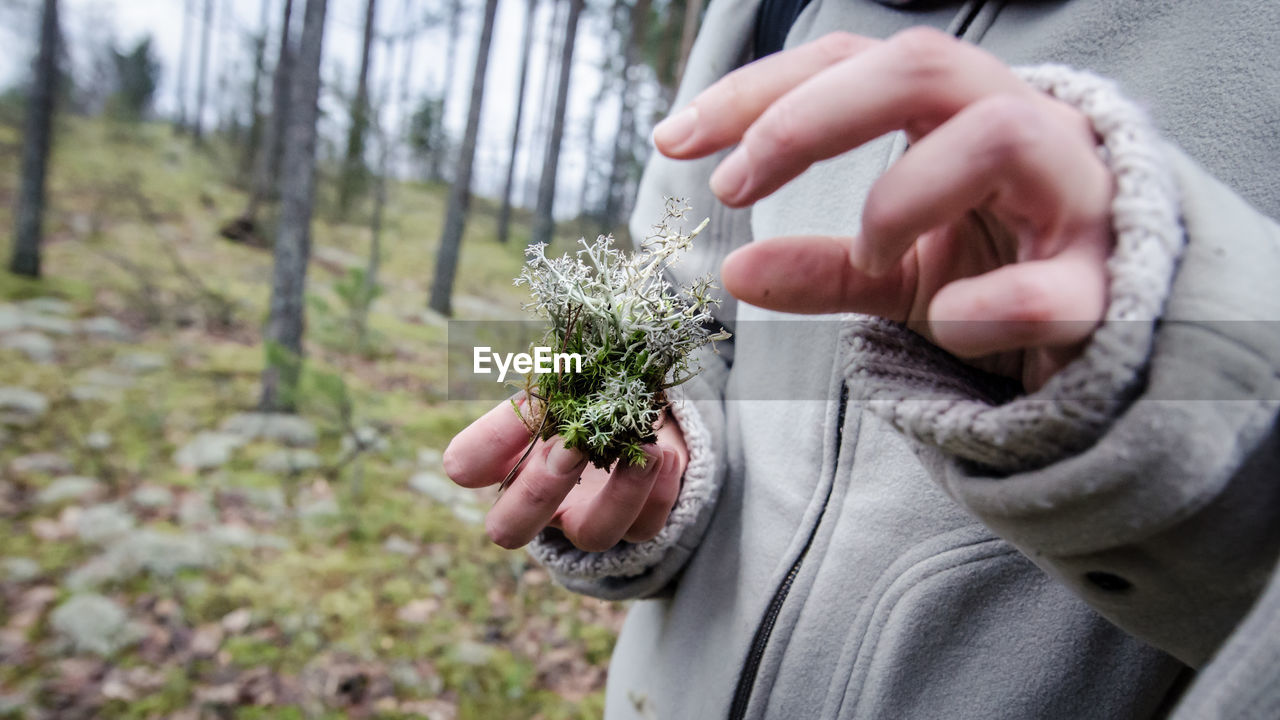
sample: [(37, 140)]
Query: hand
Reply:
[(629, 503), (989, 236)]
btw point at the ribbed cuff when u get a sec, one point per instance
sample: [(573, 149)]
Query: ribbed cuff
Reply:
[(934, 398), (626, 560)]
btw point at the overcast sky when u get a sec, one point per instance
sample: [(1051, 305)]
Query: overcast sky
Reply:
[(234, 21)]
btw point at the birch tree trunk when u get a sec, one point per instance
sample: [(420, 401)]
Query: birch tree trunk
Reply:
[(202, 80)]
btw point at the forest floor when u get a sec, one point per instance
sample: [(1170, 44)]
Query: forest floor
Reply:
[(166, 553)]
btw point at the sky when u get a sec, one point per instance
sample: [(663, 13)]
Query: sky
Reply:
[(130, 20)]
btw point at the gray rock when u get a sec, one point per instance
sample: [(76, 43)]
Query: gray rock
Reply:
[(369, 438), (399, 546), (93, 623), (21, 569), (277, 427), (319, 509), (101, 524), (208, 450), (469, 514), (161, 554), (105, 327), (287, 462), (95, 393), (196, 510), (69, 488), (429, 458), (105, 378), (141, 363), (99, 440), (270, 499), (469, 652), (437, 487), (232, 536), (35, 346), (48, 306), (21, 407), (152, 497), (11, 318), (48, 323), (45, 463)]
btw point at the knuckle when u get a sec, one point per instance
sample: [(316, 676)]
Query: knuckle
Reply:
[(593, 539), (501, 535), (777, 132), (925, 53), (535, 493), (1012, 127), (837, 45), (1029, 305)]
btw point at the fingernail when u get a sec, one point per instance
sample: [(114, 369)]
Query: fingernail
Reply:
[(562, 460), (862, 259), (653, 461), (676, 130), (730, 179)]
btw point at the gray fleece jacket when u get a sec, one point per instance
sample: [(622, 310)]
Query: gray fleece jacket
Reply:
[(871, 529)]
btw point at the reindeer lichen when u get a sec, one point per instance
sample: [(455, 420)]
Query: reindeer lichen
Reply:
[(633, 329)]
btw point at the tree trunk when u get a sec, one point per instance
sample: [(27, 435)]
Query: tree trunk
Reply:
[(182, 67), (625, 136), (616, 23), (37, 138), (202, 80), (450, 64), (255, 90), (504, 216), (406, 75), (460, 193), (352, 182), (692, 16), (544, 225), (545, 110), (285, 323), (266, 169)]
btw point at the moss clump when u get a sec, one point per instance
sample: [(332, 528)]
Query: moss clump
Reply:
[(632, 329)]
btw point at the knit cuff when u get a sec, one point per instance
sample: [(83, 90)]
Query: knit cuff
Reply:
[(934, 398), (572, 566)]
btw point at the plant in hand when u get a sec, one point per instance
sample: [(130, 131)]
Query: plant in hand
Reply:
[(633, 329)]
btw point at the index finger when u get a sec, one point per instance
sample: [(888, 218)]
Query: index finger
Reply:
[(482, 453), (719, 115)]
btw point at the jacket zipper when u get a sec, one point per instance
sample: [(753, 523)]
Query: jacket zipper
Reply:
[(747, 680), (759, 641)]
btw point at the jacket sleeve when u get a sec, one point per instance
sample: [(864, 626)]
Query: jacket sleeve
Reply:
[(1143, 475)]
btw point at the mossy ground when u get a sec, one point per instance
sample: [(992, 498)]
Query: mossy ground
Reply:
[(329, 622)]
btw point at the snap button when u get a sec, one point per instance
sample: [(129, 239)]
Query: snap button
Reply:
[(1108, 582)]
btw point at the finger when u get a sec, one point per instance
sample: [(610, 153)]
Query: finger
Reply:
[(914, 81), (662, 497), (486, 449), (813, 274), (718, 116), (1009, 152), (599, 524), (528, 505), (1042, 303)]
